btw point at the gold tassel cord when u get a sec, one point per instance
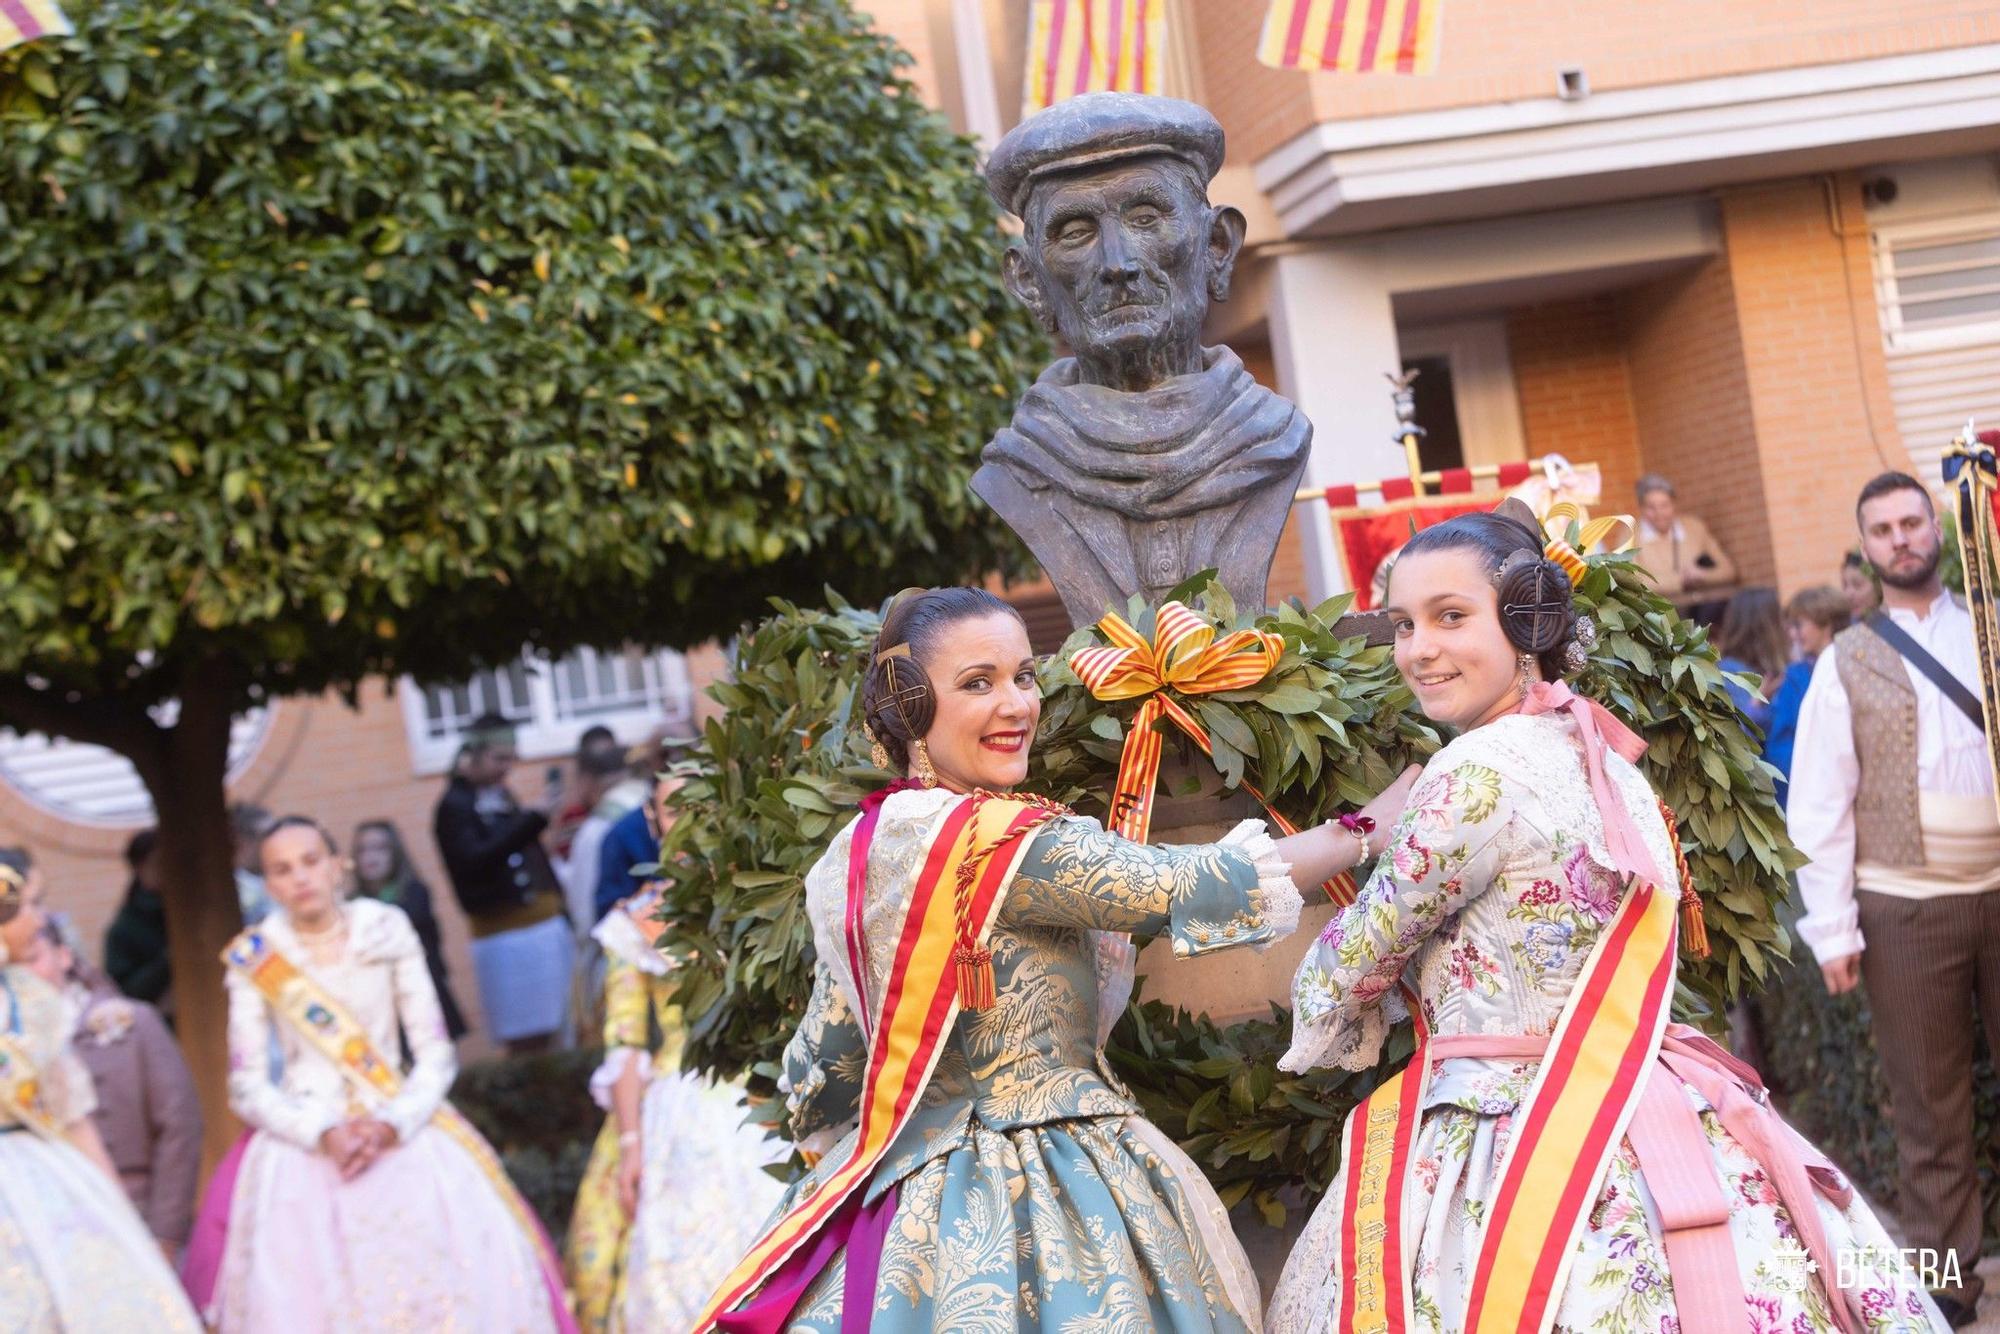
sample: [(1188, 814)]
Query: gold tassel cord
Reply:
[(1972, 474), (1694, 928), (973, 961)]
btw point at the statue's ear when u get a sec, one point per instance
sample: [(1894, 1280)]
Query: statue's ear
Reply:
[(1017, 272), (1226, 227)]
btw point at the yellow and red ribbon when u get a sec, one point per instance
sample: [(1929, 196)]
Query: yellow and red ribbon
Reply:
[(1183, 657), (1556, 525)]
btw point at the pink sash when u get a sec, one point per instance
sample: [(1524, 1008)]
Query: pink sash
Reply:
[(1679, 1168), (202, 1264)]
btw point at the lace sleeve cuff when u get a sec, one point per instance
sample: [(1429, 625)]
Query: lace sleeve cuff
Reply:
[(1276, 897), (616, 1061), (1242, 895)]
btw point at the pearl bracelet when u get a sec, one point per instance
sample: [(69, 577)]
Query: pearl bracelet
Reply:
[(1362, 827)]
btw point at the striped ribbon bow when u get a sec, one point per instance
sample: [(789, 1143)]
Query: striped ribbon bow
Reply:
[(1184, 657), (1556, 525)]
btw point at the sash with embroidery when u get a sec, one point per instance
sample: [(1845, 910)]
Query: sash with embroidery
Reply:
[(1564, 1134), (1585, 1093), (325, 1025), (945, 921)]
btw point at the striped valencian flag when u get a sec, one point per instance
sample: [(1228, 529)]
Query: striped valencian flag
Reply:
[(1352, 36), (25, 20), (1093, 46)]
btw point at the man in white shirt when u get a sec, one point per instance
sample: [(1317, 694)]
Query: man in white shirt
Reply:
[(1892, 799)]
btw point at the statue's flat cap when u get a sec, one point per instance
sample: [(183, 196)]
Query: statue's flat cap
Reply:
[(1101, 127)]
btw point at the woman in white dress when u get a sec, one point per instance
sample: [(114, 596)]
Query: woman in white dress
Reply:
[(1558, 1155), (362, 1200), (75, 1258)]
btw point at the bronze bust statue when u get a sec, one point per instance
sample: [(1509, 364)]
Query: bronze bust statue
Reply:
[(1144, 457)]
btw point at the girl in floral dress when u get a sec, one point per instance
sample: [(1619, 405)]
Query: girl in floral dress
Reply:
[(1519, 878)]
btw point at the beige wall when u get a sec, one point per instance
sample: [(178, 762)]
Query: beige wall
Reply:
[(1505, 50), (1491, 51)]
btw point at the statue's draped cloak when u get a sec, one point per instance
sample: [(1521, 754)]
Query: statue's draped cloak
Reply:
[(1119, 493)]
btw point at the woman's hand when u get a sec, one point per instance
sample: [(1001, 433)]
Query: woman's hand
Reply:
[(366, 1141), (1318, 854), (337, 1143), (631, 1163)]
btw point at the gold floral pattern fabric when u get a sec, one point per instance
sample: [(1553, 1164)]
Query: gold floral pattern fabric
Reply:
[(1031, 1192)]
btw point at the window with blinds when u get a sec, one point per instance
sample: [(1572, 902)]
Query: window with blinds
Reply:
[(552, 703), (1940, 282), (1938, 288)]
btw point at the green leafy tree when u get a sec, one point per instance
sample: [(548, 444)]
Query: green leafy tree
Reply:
[(344, 338)]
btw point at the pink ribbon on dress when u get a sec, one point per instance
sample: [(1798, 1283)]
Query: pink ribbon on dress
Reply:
[(1597, 726)]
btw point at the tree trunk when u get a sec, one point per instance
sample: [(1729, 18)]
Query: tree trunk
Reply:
[(197, 872)]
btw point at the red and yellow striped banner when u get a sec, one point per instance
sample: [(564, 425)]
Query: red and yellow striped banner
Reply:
[(1186, 656), (919, 1001), (1352, 36), (25, 20), (1093, 46)]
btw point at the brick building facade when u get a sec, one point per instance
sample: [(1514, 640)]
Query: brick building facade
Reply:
[(1752, 246), (1757, 249)]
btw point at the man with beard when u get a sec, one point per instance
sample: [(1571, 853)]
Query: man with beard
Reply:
[(1144, 457), (1892, 799)]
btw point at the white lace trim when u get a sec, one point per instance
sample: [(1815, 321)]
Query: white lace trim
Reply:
[(1276, 899), (616, 1061), (622, 938)]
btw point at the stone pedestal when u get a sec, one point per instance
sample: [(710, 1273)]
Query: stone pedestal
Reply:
[(1230, 985)]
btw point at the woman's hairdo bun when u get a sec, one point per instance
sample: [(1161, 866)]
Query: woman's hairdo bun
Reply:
[(1536, 598), (901, 705), (1535, 603)]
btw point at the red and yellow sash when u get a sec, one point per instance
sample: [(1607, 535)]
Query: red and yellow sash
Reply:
[(326, 1026), (973, 856), (1564, 1134)]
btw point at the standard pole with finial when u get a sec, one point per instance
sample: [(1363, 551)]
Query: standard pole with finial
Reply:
[(1408, 433)]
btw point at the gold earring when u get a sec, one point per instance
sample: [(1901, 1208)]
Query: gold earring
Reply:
[(878, 755), (1527, 681), (920, 759)]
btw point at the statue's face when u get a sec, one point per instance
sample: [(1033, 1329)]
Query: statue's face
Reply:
[(1122, 263)]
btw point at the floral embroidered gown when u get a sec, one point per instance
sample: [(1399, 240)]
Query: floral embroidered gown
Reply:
[(75, 1258), (1033, 1193), (1495, 889)]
